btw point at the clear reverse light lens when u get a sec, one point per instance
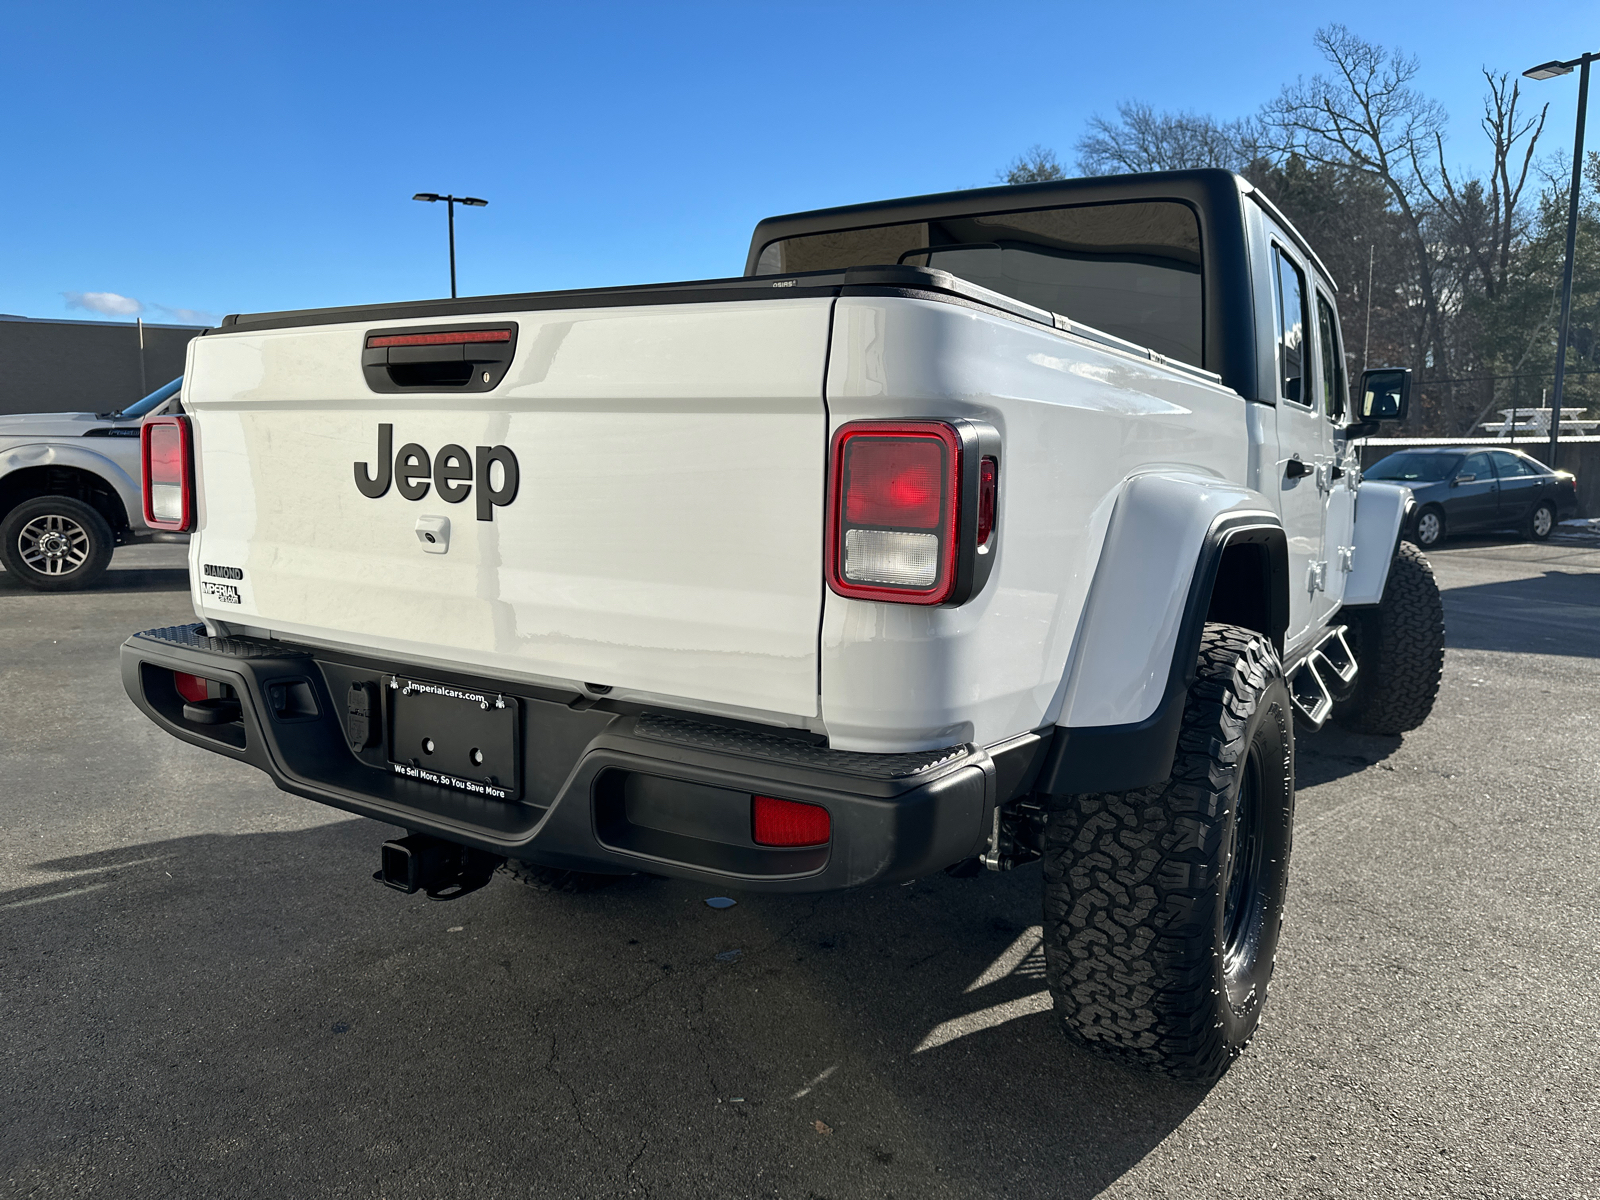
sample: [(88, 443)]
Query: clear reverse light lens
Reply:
[(166, 501), (885, 556)]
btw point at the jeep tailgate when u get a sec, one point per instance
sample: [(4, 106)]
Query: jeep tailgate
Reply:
[(664, 539)]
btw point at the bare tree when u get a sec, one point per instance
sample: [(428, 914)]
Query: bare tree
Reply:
[(1451, 271), (1037, 165), (1366, 116), (1142, 139), (1484, 223), (1488, 223)]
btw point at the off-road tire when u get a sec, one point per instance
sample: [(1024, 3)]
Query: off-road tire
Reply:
[(1150, 956), (1399, 649), (1533, 524), (86, 538), (554, 879), (1425, 535)]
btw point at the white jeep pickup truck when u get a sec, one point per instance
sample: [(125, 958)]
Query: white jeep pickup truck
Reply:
[(962, 531)]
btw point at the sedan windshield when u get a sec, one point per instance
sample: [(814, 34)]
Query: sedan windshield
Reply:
[(1411, 467)]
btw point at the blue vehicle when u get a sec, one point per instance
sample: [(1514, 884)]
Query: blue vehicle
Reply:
[(1467, 489)]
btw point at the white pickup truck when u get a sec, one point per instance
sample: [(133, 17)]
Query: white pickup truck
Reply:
[(962, 531)]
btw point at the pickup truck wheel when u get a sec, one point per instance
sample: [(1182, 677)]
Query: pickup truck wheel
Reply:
[(1162, 906), (1399, 649), (554, 879), (55, 543)]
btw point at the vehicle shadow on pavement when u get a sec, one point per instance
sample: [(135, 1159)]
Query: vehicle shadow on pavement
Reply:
[(1555, 613), (1334, 752), (251, 1014), (126, 579)]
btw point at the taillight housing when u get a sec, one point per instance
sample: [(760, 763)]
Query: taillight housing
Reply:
[(168, 473), (913, 510), (775, 822)]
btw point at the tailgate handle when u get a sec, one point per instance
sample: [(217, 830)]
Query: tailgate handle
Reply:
[(438, 358)]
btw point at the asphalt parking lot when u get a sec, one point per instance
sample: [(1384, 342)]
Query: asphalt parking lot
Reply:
[(205, 994)]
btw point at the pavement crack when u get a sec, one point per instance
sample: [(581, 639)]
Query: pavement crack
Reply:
[(627, 1174), (572, 1094)]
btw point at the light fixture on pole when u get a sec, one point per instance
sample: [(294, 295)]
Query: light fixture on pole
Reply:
[(1550, 70), (450, 204)]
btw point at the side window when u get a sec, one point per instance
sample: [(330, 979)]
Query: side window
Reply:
[(1291, 328), (1333, 387), (1510, 465), (1477, 465)]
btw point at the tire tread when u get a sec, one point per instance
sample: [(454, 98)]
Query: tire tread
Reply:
[(1396, 687), (1131, 882)]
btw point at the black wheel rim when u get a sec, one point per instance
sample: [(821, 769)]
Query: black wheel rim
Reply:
[(1242, 907)]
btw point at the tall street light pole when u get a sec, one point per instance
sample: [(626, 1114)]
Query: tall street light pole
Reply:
[(450, 204), (1550, 70)]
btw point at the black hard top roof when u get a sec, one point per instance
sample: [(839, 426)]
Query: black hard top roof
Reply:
[(1216, 197), (1207, 188)]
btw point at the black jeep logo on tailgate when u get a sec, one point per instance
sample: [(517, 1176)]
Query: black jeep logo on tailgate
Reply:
[(452, 472)]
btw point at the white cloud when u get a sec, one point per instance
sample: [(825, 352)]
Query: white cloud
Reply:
[(109, 303), (187, 316), (112, 305)]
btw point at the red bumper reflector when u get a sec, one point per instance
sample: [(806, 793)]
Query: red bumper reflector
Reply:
[(191, 687), (788, 822), (454, 338)]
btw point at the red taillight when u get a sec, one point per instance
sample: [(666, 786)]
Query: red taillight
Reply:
[(455, 338), (191, 687), (788, 822), (988, 498), (894, 482), (168, 473), (893, 511)]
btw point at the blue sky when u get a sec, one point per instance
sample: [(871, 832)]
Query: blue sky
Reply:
[(241, 157)]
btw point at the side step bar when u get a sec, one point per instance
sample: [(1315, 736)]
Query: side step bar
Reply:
[(1325, 675)]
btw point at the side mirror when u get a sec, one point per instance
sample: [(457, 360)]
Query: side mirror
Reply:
[(1385, 394), (1460, 479)]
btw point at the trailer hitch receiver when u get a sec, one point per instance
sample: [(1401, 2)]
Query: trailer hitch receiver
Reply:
[(440, 869)]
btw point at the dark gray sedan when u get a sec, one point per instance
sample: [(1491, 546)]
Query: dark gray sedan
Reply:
[(1463, 489)]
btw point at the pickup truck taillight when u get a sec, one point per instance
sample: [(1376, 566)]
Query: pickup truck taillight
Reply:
[(912, 510), (168, 473)]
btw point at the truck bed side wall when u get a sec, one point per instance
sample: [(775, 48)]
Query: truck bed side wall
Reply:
[(1076, 422)]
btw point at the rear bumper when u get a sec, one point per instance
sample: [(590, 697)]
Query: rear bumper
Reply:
[(605, 787)]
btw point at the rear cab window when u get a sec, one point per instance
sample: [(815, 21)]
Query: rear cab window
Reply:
[(1130, 268)]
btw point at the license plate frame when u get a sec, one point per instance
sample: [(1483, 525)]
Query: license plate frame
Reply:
[(436, 730)]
